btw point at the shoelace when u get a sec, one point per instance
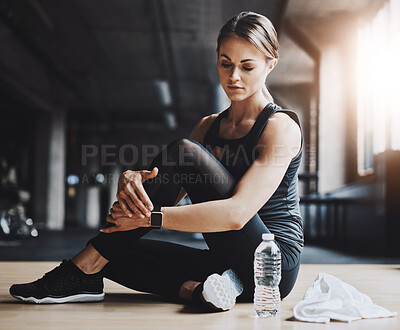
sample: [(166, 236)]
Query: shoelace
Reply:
[(54, 272)]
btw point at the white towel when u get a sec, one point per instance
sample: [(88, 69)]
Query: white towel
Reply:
[(331, 298)]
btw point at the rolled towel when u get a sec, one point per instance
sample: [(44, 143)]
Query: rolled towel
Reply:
[(329, 298)]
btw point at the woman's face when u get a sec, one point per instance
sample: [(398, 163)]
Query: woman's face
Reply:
[(242, 68)]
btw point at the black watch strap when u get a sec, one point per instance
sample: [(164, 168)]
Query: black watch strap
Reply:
[(156, 217)]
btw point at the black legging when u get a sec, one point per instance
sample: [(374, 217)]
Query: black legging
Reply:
[(161, 267)]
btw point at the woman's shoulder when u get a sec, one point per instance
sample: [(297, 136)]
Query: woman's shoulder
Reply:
[(285, 117), (282, 116), (201, 128), (282, 128)]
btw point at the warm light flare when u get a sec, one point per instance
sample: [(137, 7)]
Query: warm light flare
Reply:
[(378, 74)]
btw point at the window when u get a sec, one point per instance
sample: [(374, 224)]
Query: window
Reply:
[(378, 85)]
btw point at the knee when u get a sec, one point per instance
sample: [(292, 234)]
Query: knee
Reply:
[(182, 143), (183, 146)]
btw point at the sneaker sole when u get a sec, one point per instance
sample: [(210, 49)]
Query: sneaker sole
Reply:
[(222, 290), (69, 299)]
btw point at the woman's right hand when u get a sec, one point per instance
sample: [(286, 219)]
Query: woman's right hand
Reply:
[(131, 195)]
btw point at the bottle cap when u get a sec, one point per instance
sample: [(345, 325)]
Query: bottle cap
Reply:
[(268, 237)]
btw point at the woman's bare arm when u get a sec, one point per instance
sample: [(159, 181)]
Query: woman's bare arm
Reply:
[(278, 144)]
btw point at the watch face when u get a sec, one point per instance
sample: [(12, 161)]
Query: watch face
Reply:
[(156, 219)]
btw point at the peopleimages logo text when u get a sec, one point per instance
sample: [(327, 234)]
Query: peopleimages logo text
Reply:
[(130, 155)]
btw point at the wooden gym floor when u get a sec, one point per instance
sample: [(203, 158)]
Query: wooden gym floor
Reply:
[(124, 308)]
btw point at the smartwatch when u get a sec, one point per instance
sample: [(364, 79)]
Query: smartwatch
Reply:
[(156, 217)]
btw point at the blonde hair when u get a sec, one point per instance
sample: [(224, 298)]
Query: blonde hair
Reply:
[(256, 29)]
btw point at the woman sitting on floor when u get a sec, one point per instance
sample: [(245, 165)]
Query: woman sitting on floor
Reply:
[(239, 168)]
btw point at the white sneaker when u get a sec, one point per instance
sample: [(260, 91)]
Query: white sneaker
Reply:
[(221, 290)]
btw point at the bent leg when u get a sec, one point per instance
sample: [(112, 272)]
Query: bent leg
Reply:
[(188, 163), (182, 163)]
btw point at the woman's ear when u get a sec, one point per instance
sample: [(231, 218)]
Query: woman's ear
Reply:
[(272, 63)]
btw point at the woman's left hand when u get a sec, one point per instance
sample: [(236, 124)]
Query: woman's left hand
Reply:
[(122, 222)]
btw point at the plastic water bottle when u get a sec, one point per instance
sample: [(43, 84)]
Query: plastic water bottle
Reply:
[(267, 275)]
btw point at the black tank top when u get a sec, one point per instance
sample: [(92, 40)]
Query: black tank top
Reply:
[(281, 213)]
